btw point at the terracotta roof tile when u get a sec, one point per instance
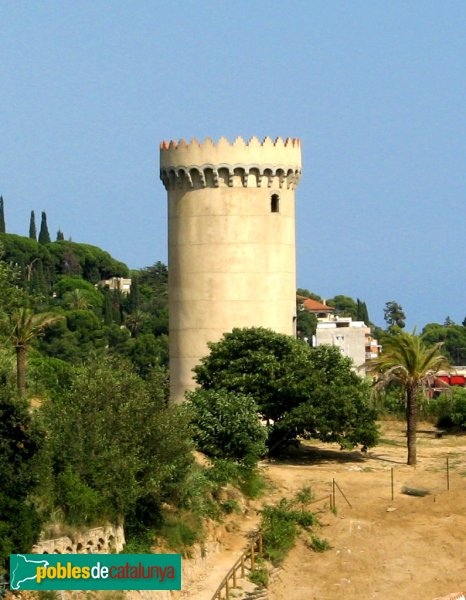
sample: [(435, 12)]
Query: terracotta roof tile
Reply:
[(314, 306)]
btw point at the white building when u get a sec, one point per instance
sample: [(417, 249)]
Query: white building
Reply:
[(354, 338)]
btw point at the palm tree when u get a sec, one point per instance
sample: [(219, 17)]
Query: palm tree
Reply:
[(25, 327), (77, 300), (408, 362)]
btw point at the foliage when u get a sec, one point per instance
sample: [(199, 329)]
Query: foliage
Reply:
[(181, 533), (11, 296), (280, 526), (44, 236), (307, 294), (24, 327), (268, 366), (32, 227), (449, 409), (20, 444), (304, 391), (113, 433), (260, 575), (453, 338), (306, 325), (48, 377), (227, 425), (344, 306), (394, 316), (409, 363), (248, 479), (362, 313), (2, 215), (318, 544)]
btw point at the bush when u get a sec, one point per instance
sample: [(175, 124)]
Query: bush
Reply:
[(227, 425), (279, 530), (259, 576), (20, 449), (449, 409), (318, 544), (282, 523), (80, 503), (181, 532)]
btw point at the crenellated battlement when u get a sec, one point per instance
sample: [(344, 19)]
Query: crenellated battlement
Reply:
[(270, 163)]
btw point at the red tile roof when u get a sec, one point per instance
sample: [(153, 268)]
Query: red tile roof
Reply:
[(314, 306)]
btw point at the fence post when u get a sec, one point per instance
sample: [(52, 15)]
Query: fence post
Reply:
[(234, 577), (227, 589), (448, 474), (333, 494)]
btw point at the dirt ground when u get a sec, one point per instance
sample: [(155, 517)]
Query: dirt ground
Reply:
[(408, 547)]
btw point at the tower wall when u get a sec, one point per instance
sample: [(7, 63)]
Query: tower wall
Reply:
[(231, 237)]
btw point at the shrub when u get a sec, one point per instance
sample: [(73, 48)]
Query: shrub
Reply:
[(259, 576), (227, 425), (318, 544), (449, 409), (279, 530)]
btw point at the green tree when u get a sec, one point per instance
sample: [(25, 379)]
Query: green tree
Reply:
[(77, 300), (2, 216), (306, 325), (60, 236), (44, 236), (115, 443), (394, 316), (11, 296), (32, 227), (362, 313), (409, 363), (453, 337), (24, 327), (20, 444), (303, 391), (307, 294), (227, 425), (344, 306)]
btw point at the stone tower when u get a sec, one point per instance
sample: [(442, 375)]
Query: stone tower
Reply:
[(231, 243)]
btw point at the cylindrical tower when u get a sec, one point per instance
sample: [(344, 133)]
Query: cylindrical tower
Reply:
[(231, 243)]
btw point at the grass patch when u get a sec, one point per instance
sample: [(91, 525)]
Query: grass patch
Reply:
[(318, 544), (390, 442), (260, 575), (180, 532), (282, 523)]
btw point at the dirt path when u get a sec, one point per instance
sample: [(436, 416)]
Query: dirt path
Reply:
[(411, 547)]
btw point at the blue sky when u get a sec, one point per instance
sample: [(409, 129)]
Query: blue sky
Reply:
[(376, 90)]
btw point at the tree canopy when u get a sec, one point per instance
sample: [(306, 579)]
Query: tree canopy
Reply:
[(394, 316), (300, 391)]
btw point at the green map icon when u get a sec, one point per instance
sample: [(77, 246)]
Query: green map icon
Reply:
[(23, 569)]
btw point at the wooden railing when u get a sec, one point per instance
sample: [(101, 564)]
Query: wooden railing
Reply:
[(246, 562)]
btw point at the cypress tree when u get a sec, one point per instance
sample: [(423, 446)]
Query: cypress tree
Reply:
[(362, 312), (134, 298), (60, 236), (2, 216), (32, 226), (44, 236), (108, 309)]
